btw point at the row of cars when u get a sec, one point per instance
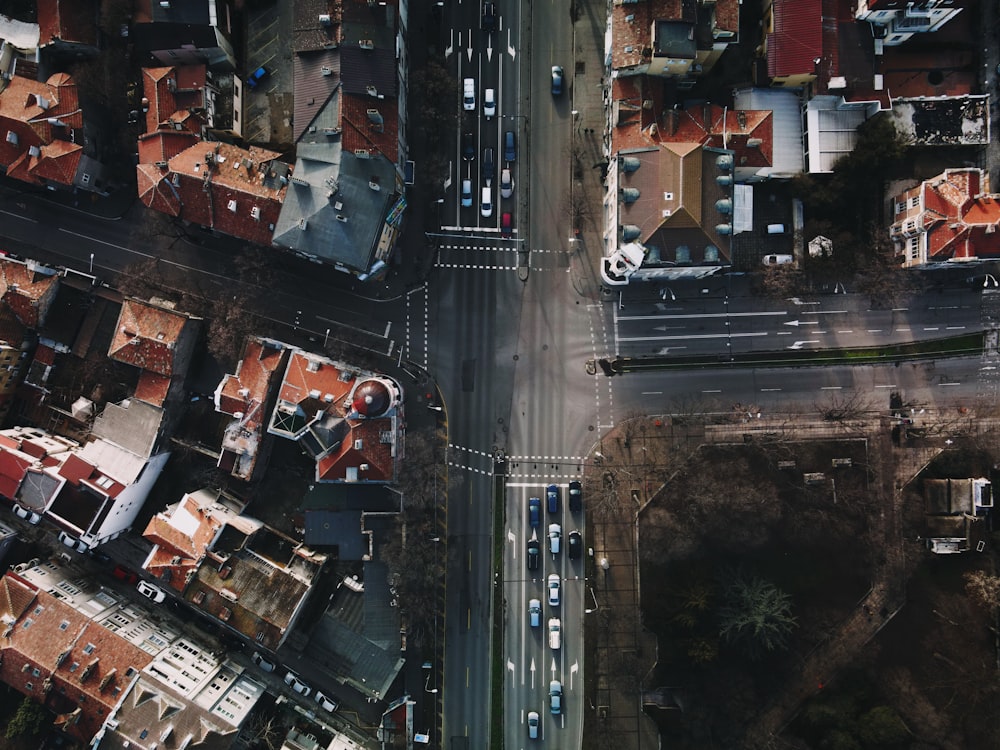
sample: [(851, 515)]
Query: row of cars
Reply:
[(296, 683), (555, 708)]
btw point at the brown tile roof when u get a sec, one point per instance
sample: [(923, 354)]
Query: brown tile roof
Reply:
[(163, 145), (712, 125), (67, 20), (85, 665), (630, 38), (308, 374), (727, 15), (180, 550), (375, 454), (152, 388), (797, 37), (57, 162), (359, 132), (223, 194), (172, 92), (13, 467), (25, 290), (147, 336), (246, 392)]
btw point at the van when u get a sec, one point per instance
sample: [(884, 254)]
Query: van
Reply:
[(486, 209), (469, 94), (466, 193)]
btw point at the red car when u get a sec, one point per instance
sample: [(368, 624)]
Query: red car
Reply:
[(124, 574), (506, 224)]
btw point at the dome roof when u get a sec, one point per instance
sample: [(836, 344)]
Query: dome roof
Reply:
[(371, 399)]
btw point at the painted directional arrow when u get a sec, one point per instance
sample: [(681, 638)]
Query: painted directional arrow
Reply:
[(510, 47), (510, 536), (802, 323), (451, 43), (797, 301), (574, 668), (510, 666), (800, 344), (469, 48), (532, 672), (553, 667), (489, 48)]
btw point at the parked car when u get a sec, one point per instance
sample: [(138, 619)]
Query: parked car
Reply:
[(534, 613), (553, 590), (26, 514), (533, 725), (777, 260), (72, 542), (296, 684), (466, 193), (557, 80), (509, 151), (575, 497), (125, 575), (489, 103), (555, 538), (506, 224), (555, 697), (151, 592), (555, 633), (257, 76), (263, 664), (575, 544), (327, 704), (534, 511), (469, 94), (506, 184), (534, 553), (552, 499)]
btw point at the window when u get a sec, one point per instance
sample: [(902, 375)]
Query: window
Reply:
[(64, 624), (105, 482), (89, 649), (85, 178), (914, 247), (35, 672), (914, 201), (29, 686), (27, 623), (900, 207)]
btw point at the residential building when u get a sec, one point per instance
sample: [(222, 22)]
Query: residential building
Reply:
[(895, 21), (186, 32), (248, 397), (350, 421), (953, 509), (248, 576), (111, 672), (952, 217), (67, 29)]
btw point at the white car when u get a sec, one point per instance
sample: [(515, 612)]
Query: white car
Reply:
[(293, 681), (27, 514), (489, 103), (72, 542), (555, 633), (154, 593), (469, 94), (555, 538), (327, 704), (486, 207), (532, 725), (262, 663), (554, 590), (506, 184), (466, 193)]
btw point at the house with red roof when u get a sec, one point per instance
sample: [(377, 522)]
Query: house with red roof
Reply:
[(113, 672), (41, 132), (231, 567), (68, 28), (159, 341), (348, 420), (248, 397), (951, 218)]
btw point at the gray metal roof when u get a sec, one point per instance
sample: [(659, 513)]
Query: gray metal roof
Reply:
[(787, 152), (132, 424)]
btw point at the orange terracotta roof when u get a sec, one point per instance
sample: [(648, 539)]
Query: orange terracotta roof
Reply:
[(67, 20), (24, 289), (376, 455), (146, 336), (152, 388), (247, 390), (360, 133)]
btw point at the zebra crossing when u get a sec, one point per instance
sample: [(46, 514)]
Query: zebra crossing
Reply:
[(491, 256)]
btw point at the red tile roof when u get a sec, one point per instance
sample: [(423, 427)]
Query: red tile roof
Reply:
[(180, 550), (797, 38), (147, 336), (67, 20), (374, 454), (360, 133), (13, 469), (26, 291), (221, 195), (84, 662), (712, 125), (246, 392), (152, 388), (172, 93), (630, 38)]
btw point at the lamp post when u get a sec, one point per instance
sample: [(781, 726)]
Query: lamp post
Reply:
[(596, 605), (433, 691), (665, 291), (91, 263), (989, 281)]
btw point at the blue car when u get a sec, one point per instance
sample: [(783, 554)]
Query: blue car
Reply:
[(256, 77), (534, 512), (509, 151), (552, 499)]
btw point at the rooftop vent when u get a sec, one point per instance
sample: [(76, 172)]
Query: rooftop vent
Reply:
[(231, 205), (366, 44), (255, 213), (303, 224), (374, 185), (372, 91), (324, 20), (327, 71)]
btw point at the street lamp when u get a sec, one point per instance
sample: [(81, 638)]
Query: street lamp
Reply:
[(665, 291), (426, 689), (986, 282), (596, 605), (91, 263)]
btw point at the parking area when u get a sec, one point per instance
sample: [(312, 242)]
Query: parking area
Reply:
[(268, 106)]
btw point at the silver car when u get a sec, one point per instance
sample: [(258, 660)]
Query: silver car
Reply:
[(506, 184)]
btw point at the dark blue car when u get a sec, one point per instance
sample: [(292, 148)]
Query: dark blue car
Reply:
[(509, 151), (534, 511), (552, 499)]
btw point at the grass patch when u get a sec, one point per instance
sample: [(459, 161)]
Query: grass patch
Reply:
[(496, 640)]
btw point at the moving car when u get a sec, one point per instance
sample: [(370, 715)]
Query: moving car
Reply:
[(486, 207), (554, 590), (534, 511), (533, 725), (534, 613), (466, 193), (489, 166), (555, 633), (293, 681), (575, 497), (557, 80), (489, 103), (327, 704), (26, 514), (124, 574), (509, 151), (489, 17), (534, 553), (555, 697), (263, 664), (151, 592), (469, 94), (468, 146), (552, 499), (506, 184), (555, 538), (575, 544), (506, 224)]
